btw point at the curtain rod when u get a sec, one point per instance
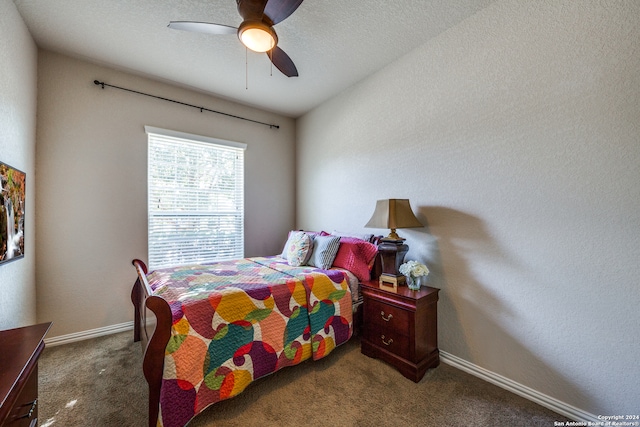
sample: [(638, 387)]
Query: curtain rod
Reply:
[(103, 84)]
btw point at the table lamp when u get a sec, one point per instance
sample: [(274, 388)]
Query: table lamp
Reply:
[(393, 214)]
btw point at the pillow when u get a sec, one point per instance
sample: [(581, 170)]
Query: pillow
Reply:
[(311, 234), (299, 248), (356, 255), (324, 251), (365, 237)]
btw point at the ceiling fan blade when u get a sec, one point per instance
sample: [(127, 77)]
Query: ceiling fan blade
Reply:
[(282, 62), (202, 27), (279, 10), (251, 10)]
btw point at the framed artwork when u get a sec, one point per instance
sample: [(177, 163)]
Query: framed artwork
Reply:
[(12, 198)]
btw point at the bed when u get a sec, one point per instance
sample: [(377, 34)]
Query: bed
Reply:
[(209, 330)]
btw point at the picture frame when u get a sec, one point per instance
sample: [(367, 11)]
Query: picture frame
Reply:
[(12, 212)]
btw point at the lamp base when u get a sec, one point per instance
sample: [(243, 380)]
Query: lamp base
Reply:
[(392, 252)]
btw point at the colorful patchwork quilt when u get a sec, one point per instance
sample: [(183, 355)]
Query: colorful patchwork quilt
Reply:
[(237, 321)]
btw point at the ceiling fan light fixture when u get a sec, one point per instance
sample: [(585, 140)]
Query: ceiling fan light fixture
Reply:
[(257, 36)]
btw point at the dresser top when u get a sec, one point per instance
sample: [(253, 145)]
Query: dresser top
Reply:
[(19, 350)]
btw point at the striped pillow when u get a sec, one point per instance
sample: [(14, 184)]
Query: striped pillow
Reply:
[(325, 249)]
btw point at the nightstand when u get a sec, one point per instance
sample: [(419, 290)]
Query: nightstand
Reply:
[(401, 327)]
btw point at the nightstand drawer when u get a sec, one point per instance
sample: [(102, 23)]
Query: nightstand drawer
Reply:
[(387, 316), (389, 340)]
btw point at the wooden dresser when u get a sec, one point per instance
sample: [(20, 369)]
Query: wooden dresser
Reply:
[(19, 352), (400, 327)]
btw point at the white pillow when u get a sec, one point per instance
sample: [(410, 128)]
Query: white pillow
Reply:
[(299, 250), (365, 237), (311, 234)]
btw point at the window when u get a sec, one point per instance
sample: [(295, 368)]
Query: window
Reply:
[(195, 198)]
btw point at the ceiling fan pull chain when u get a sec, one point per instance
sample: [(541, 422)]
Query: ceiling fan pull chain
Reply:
[(246, 68)]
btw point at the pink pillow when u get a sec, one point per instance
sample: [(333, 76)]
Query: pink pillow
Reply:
[(355, 255)]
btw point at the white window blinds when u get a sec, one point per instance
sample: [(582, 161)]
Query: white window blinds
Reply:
[(195, 198)]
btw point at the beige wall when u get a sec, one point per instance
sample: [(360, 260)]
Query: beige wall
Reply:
[(516, 137), (91, 162), (18, 66)]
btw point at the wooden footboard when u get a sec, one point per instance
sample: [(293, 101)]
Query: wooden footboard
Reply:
[(155, 342)]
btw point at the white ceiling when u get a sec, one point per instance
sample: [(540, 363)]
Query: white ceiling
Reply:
[(334, 43)]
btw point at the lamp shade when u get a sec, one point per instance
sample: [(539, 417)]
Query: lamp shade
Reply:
[(393, 214)]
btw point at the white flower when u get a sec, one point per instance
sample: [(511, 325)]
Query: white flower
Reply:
[(414, 269)]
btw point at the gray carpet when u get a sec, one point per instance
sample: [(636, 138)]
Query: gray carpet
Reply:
[(99, 382)]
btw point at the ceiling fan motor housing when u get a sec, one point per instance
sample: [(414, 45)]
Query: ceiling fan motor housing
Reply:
[(257, 36)]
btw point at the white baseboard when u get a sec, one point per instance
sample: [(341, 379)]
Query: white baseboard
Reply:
[(85, 335), (541, 399)]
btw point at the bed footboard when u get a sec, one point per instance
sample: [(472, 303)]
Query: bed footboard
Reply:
[(155, 342)]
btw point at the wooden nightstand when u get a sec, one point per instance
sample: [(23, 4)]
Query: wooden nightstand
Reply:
[(401, 328)]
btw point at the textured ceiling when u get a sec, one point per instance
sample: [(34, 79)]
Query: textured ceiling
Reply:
[(334, 43)]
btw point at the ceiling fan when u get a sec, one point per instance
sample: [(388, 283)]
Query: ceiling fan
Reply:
[(256, 30)]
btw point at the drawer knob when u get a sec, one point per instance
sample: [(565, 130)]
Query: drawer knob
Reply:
[(386, 319), (389, 342)]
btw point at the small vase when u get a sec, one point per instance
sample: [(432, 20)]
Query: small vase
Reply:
[(413, 283)]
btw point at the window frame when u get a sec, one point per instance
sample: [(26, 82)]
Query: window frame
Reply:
[(157, 244)]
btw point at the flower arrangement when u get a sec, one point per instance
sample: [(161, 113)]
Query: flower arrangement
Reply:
[(412, 270)]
